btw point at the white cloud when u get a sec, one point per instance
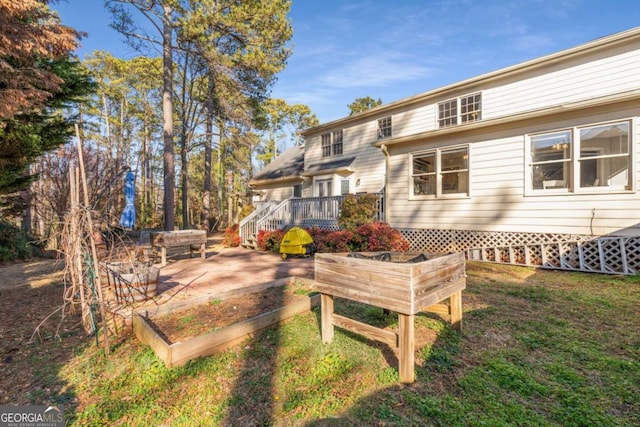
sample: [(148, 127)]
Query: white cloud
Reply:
[(379, 69)]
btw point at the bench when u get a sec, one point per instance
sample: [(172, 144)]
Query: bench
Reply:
[(195, 239)]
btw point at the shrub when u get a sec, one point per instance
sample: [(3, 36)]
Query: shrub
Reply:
[(270, 240), (355, 211), (331, 241), (14, 243), (378, 236), (231, 237)]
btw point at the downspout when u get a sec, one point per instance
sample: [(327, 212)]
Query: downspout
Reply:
[(385, 199)]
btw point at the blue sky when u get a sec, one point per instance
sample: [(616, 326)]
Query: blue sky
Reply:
[(394, 49)]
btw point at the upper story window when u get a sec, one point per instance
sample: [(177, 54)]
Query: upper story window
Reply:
[(470, 108), (326, 144), (465, 109), (442, 172), (448, 113), (337, 142), (580, 159), (384, 127), (332, 143)]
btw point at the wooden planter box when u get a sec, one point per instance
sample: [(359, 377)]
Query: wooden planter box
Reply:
[(404, 287), (132, 282), (194, 239), (179, 353)]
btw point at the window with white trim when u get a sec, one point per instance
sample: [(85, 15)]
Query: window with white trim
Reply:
[(326, 144), (384, 127), (586, 158), (465, 109), (443, 172), (297, 190), (332, 143), (337, 142), (344, 186)]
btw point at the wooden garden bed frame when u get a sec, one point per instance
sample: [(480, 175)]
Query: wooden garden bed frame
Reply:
[(179, 353), (406, 288)]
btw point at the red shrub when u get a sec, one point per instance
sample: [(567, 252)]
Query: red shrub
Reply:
[(331, 241), (231, 237), (270, 240), (379, 236)]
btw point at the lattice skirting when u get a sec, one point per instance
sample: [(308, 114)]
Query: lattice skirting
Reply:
[(613, 255), (461, 240)]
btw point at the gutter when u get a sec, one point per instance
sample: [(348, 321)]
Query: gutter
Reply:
[(385, 199)]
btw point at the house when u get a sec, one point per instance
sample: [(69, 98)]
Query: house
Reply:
[(531, 161), (282, 178)]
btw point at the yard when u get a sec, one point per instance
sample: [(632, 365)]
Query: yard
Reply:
[(538, 348)]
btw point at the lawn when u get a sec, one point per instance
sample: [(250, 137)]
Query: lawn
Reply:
[(537, 348)]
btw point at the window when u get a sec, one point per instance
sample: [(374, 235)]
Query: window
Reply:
[(440, 173), (384, 127), (297, 190), (448, 113), (337, 143), (326, 144), (585, 158), (344, 187), (465, 109), (332, 143), (470, 108), (323, 188)]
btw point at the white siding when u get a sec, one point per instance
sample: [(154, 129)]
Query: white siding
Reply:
[(590, 78), (369, 161), (498, 203), (277, 191)]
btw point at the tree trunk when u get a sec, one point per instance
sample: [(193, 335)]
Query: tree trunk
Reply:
[(184, 181), (206, 185), (167, 113)]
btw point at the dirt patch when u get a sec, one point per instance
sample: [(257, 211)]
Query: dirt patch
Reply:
[(29, 292), (217, 314)]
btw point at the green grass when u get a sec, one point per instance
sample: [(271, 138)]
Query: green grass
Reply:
[(538, 348)]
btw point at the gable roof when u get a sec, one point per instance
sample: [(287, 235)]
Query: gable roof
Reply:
[(287, 166), (601, 43)]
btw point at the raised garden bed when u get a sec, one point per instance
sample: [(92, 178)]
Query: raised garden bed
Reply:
[(202, 326), (406, 283)]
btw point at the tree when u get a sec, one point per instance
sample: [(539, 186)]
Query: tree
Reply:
[(243, 45), (122, 120), (31, 133), (31, 36), (363, 104), (162, 15), (281, 121), (37, 80)]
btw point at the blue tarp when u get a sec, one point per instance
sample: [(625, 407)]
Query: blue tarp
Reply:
[(128, 218)]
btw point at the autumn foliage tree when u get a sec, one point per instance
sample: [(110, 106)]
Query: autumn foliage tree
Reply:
[(38, 79), (31, 36)]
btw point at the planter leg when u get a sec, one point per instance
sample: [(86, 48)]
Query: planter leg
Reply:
[(406, 359), (163, 254), (203, 253), (456, 310), (326, 317)]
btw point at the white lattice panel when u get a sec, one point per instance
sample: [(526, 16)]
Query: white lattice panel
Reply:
[(632, 252), (613, 255)]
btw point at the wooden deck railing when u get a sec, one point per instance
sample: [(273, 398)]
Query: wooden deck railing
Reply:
[(299, 211)]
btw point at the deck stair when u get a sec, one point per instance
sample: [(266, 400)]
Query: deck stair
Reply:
[(610, 254)]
